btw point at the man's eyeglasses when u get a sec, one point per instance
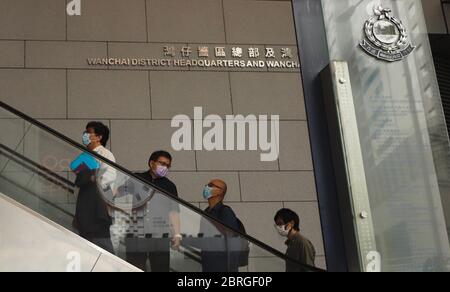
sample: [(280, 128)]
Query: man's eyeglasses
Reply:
[(211, 185), (163, 164)]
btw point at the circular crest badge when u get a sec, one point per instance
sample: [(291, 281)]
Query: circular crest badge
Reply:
[(385, 37)]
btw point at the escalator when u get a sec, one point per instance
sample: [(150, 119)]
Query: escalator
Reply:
[(33, 243), (35, 174)]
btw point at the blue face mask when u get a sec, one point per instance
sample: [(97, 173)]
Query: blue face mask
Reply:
[(86, 139), (207, 192)]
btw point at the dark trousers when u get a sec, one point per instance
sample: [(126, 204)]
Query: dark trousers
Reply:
[(159, 261)]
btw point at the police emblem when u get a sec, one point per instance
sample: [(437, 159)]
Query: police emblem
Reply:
[(385, 37)]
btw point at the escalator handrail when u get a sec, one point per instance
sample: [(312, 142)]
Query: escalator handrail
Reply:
[(67, 182), (189, 254), (180, 201), (41, 174), (44, 200), (35, 195)]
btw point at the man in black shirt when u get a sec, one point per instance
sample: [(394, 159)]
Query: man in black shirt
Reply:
[(214, 257), (163, 211)]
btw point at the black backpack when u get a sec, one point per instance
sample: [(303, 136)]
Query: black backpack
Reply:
[(244, 252), (244, 249)]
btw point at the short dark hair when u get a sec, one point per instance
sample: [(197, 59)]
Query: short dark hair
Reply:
[(100, 130), (161, 153), (287, 216)]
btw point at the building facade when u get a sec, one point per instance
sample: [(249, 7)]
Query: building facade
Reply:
[(137, 65)]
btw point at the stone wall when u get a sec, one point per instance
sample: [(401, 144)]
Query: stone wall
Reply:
[(44, 72)]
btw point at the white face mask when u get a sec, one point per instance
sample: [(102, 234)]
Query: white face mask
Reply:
[(282, 230), (86, 139)]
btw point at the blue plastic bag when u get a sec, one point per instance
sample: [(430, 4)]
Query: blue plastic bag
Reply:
[(84, 161)]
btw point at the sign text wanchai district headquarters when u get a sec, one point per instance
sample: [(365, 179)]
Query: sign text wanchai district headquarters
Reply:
[(209, 57)]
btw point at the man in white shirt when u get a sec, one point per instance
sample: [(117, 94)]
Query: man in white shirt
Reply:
[(92, 218)]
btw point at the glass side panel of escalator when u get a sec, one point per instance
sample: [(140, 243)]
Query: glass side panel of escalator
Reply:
[(117, 211)]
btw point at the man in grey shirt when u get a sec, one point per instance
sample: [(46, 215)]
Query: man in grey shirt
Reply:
[(299, 248)]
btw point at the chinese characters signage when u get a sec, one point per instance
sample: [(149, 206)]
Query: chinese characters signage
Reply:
[(204, 56)]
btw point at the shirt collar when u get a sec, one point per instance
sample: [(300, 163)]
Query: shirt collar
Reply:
[(217, 207), (291, 240), (149, 174), (98, 148)]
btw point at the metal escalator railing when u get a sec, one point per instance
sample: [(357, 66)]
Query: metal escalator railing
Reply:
[(46, 174), (33, 243), (39, 169), (65, 184), (12, 157), (136, 206)]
